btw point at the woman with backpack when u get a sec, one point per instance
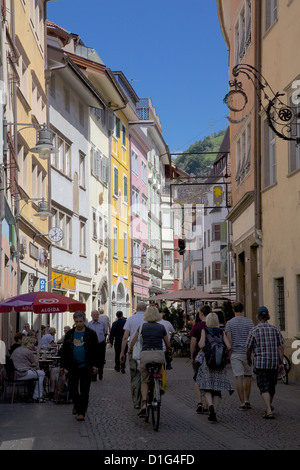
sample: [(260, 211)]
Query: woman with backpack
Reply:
[(212, 378)]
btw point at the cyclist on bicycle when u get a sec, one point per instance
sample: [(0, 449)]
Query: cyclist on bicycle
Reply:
[(153, 335)]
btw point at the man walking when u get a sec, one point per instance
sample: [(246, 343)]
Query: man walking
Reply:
[(99, 328), (115, 339), (78, 356), (237, 330), (131, 326), (267, 345)]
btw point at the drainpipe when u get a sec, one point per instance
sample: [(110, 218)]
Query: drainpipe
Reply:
[(257, 160)]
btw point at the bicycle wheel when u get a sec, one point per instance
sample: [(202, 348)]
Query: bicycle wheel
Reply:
[(155, 406), (287, 363), (284, 375), (149, 401)]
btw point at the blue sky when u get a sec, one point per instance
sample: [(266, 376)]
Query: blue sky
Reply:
[(171, 51)]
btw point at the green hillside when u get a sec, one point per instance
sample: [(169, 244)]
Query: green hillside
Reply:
[(200, 164)]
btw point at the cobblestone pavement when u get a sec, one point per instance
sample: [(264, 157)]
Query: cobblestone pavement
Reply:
[(112, 422)]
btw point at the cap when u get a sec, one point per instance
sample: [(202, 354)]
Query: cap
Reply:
[(262, 311)]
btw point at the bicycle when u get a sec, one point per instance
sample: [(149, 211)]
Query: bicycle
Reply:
[(154, 396), (283, 373)]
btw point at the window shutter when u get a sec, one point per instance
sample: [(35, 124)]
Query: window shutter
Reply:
[(115, 181), (118, 127)]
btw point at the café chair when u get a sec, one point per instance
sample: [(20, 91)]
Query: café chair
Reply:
[(10, 379)]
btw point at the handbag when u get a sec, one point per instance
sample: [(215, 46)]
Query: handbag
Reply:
[(136, 352)]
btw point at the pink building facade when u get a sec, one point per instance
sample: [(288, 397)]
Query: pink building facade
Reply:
[(139, 215)]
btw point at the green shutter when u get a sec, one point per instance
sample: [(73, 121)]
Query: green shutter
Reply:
[(118, 128), (116, 181), (125, 188)]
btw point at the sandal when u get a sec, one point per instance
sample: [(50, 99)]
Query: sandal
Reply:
[(142, 413), (268, 415)]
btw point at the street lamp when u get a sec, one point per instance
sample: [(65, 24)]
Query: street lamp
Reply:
[(44, 145), (42, 212)]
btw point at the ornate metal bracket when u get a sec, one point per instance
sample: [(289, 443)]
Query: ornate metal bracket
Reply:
[(283, 119)]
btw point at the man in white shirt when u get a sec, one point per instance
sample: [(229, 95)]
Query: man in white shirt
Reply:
[(99, 327), (170, 332), (131, 326)]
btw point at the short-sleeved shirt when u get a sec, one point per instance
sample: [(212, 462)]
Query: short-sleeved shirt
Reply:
[(264, 340), (239, 327), (153, 334), (79, 349), (99, 328), (196, 333), (169, 329), (133, 323)]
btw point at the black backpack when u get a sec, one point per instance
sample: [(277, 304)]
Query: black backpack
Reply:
[(215, 349)]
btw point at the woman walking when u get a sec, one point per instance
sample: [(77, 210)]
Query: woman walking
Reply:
[(212, 381)]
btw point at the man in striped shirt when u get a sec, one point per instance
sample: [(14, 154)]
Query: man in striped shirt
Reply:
[(266, 344), (237, 330)]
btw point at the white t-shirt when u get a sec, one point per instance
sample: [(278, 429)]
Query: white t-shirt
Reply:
[(169, 329), (133, 323)]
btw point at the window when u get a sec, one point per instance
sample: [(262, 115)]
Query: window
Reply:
[(280, 303), (96, 162), (294, 149), (100, 222), (62, 160), (242, 31), (123, 135), (243, 154), (104, 169), (216, 271), (199, 278), (271, 12), (125, 246), (167, 259), (117, 128), (115, 242), (105, 227), (136, 253), (64, 221), (94, 224), (82, 240), (81, 169), (269, 166), (144, 172), (125, 188), (116, 182), (144, 209), (37, 21), (135, 201), (216, 232), (135, 162)]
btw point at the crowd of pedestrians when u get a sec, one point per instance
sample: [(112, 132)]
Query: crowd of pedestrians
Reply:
[(248, 349)]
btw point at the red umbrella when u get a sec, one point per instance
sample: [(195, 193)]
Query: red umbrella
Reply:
[(41, 302)]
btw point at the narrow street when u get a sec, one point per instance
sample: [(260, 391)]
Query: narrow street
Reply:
[(112, 422)]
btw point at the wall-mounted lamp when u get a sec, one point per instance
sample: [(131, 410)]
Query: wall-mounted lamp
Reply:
[(44, 145), (43, 211)]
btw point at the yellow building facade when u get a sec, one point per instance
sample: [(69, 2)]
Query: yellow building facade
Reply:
[(120, 216), (31, 109)]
